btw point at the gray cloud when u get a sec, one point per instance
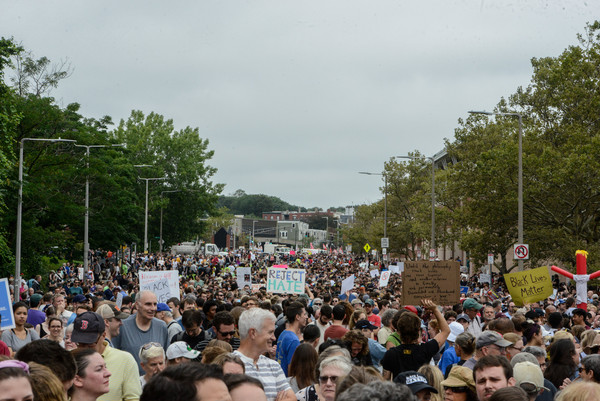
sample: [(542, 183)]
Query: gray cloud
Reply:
[(297, 97)]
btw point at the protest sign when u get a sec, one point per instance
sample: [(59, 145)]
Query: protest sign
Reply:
[(384, 278), (374, 273), (243, 277), (464, 289), (286, 281), (485, 278), (438, 281), (529, 286), (256, 287), (80, 273), (347, 284), (172, 277), (119, 300), (6, 310), (160, 288)]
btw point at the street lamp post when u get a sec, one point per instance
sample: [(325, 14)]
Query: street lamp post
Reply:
[(384, 200), (520, 173), (253, 237), (146, 214), (327, 231), (86, 242), (432, 198), (160, 241), (17, 283)]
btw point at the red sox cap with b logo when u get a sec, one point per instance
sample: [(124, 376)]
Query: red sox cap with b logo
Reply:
[(87, 327)]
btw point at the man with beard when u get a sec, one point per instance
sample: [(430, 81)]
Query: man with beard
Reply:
[(288, 340), (324, 321)]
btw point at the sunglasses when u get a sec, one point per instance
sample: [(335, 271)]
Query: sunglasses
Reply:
[(147, 346), (457, 389), (227, 333), (325, 379)]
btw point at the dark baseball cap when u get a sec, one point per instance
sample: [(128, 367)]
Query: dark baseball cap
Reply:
[(415, 381), (364, 324), (87, 327), (79, 298)]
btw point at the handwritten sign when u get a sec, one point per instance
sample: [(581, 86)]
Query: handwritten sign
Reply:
[(384, 278), (160, 288), (6, 310), (172, 276), (374, 273), (243, 277), (438, 281), (347, 284), (286, 281), (529, 286)]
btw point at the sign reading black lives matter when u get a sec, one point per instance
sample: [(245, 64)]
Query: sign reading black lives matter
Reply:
[(438, 281)]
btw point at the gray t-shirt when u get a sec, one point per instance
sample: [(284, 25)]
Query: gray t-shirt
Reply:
[(15, 343), (131, 338)]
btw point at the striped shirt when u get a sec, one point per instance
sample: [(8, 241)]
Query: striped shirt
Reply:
[(268, 372)]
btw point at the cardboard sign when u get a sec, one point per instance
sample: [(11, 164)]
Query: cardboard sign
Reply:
[(529, 286), (438, 281), (243, 277), (347, 284), (6, 310), (172, 277), (384, 278), (286, 281)]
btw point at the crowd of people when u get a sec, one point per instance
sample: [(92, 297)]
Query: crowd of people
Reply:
[(94, 335)]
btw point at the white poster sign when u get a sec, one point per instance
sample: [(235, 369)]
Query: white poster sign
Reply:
[(384, 278), (172, 277), (160, 288), (374, 273), (347, 284), (244, 277)]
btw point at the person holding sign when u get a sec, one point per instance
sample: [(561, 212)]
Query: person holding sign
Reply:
[(410, 355)]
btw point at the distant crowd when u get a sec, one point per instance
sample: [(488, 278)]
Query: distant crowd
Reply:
[(93, 334)]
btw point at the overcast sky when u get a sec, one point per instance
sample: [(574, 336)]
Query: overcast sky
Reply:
[(296, 97)]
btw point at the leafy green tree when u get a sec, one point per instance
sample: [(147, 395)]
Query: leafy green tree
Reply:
[(182, 158), (9, 120)]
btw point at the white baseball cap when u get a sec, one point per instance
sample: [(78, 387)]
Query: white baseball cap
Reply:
[(181, 349)]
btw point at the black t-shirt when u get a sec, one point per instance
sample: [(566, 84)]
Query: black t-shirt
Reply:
[(407, 357)]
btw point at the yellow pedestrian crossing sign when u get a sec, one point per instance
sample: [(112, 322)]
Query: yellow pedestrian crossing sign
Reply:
[(367, 248)]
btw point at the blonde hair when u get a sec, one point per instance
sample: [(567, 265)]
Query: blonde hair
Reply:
[(434, 377), (45, 384), (580, 391)]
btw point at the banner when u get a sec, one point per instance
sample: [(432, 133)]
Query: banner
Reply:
[(6, 310), (438, 281), (529, 286), (172, 277), (243, 277), (384, 278), (286, 281)]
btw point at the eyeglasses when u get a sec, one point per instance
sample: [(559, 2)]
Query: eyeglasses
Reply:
[(317, 304), (463, 389), (518, 349), (325, 379), (227, 333)]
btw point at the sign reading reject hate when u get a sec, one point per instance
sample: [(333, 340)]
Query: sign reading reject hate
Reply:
[(283, 280)]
